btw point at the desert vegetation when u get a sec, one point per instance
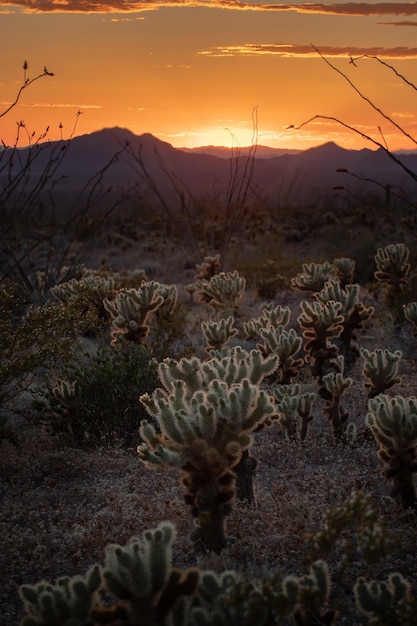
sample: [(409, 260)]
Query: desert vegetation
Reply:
[(194, 437)]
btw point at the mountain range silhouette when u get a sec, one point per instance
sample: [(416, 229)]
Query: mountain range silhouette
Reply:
[(279, 176)]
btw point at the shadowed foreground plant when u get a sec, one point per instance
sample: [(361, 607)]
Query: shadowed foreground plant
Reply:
[(206, 413), (137, 585), (393, 422), (389, 603), (355, 529)]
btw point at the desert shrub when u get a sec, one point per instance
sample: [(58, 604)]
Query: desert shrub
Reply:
[(32, 339), (97, 403)]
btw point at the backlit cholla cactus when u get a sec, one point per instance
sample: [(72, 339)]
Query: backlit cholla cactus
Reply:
[(312, 277), (354, 313), (294, 410), (205, 414), (130, 311), (410, 314), (335, 385), (380, 370), (344, 270), (209, 266), (320, 323), (386, 603), (69, 601), (222, 292), (393, 422), (218, 334), (393, 269), (286, 344), (271, 318), (392, 264)]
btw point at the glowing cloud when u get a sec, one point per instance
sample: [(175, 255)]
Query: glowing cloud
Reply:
[(125, 6), (304, 51)]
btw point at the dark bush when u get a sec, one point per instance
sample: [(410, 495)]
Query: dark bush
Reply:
[(97, 402)]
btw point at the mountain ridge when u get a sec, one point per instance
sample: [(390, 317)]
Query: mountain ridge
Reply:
[(296, 177)]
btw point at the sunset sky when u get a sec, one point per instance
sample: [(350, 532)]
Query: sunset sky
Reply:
[(192, 72)]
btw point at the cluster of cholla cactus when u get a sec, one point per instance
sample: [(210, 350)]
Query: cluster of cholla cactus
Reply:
[(95, 286), (130, 311), (205, 414), (223, 292), (393, 422), (138, 584)]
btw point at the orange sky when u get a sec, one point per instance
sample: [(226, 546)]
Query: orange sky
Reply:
[(192, 72)]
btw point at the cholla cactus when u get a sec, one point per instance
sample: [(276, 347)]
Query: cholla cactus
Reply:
[(354, 313), (380, 370), (392, 264), (223, 291), (218, 334), (231, 601), (205, 421), (209, 266), (130, 311), (393, 422), (410, 314), (344, 270), (69, 601), (286, 344), (270, 318), (389, 603), (313, 593), (139, 577), (232, 368), (336, 384), (294, 410), (320, 323), (393, 269), (312, 277)]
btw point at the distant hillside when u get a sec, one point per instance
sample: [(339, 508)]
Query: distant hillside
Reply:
[(262, 152), (290, 177)]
